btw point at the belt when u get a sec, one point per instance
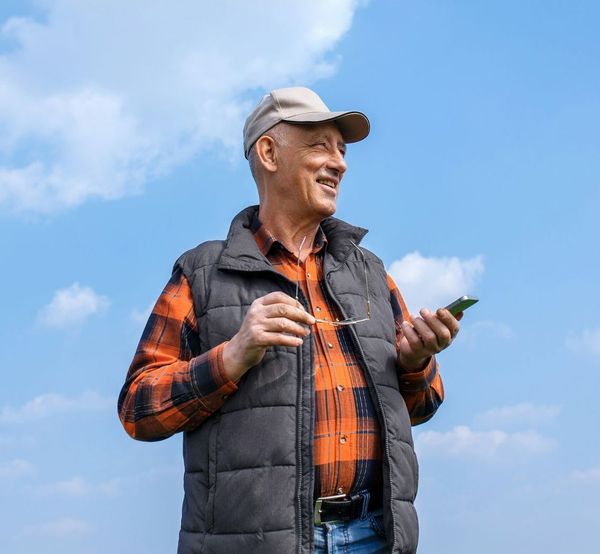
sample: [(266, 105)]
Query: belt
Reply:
[(343, 507)]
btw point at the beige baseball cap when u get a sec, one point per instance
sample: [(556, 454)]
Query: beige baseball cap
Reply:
[(302, 106)]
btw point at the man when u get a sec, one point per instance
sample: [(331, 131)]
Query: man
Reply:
[(288, 358)]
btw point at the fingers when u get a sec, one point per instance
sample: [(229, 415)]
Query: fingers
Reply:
[(449, 320), (283, 305), (275, 319), (285, 325), (412, 337), (281, 310), (431, 333), (279, 339), (277, 297), (442, 333), (426, 335)]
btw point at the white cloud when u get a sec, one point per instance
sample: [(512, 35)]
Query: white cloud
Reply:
[(109, 488), (466, 443), (586, 342), (78, 486), (47, 405), (60, 528), (434, 282), (140, 87), (16, 468), (71, 306), (524, 414), (587, 476)]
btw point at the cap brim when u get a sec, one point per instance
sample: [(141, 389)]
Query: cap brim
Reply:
[(354, 126)]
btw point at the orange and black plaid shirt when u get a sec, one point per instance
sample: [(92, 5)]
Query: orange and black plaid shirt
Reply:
[(170, 387)]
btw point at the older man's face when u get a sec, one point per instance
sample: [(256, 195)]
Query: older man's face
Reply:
[(311, 170)]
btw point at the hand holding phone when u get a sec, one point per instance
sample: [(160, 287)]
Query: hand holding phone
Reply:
[(430, 333)]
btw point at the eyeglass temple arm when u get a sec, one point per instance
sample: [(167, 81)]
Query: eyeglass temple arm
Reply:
[(298, 269)]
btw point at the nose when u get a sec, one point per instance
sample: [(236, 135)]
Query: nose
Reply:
[(337, 163)]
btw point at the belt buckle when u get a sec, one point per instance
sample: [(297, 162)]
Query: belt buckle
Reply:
[(319, 504)]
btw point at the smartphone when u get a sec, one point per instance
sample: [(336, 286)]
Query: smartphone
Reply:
[(461, 304)]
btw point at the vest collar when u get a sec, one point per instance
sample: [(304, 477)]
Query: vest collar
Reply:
[(241, 252)]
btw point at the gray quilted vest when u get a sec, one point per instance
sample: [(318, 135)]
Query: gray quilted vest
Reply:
[(249, 475)]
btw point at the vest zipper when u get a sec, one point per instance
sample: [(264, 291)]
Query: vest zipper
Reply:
[(299, 419), (367, 371), (299, 451)]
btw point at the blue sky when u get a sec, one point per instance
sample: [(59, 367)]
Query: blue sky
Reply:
[(120, 147)]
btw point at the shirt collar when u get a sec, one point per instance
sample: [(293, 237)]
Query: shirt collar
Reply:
[(266, 241)]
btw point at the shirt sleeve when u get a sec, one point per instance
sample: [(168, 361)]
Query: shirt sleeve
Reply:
[(423, 390), (170, 387)]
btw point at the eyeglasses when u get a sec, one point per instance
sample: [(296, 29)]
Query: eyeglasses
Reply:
[(351, 320)]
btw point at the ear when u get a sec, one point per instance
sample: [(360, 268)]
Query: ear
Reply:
[(266, 152)]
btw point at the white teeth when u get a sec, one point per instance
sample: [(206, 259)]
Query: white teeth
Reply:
[(326, 183)]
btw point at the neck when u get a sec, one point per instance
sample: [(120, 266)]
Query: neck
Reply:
[(290, 230)]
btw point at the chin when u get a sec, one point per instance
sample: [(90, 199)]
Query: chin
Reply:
[(320, 210), (327, 210)]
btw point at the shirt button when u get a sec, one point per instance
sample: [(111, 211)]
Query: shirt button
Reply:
[(343, 439), (308, 275), (330, 345), (318, 309), (340, 388), (340, 490)]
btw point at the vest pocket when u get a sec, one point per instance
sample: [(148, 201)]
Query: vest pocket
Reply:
[(212, 475)]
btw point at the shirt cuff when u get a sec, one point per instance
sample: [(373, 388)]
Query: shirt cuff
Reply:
[(416, 381), (209, 380)]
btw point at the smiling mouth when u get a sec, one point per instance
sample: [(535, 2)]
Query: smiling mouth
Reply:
[(328, 183)]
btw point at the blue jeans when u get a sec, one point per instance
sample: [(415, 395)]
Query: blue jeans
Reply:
[(359, 536)]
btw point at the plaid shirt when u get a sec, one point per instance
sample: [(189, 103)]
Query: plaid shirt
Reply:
[(170, 387)]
